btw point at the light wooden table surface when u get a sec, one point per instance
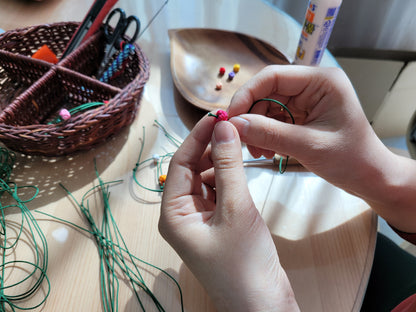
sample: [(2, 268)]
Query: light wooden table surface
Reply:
[(325, 237)]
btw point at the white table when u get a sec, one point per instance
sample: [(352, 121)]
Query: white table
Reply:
[(325, 237)]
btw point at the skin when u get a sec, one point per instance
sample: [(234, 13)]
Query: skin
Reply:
[(209, 217), (219, 234), (330, 125)]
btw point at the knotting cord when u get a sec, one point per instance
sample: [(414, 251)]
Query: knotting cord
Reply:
[(78, 109), (160, 161), (113, 251), (18, 291)]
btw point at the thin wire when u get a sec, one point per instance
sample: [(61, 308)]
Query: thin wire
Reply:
[(282, 168), (173, 140), (113, 251), (37, 274), (163, 159), (78, 109), (153, 18)]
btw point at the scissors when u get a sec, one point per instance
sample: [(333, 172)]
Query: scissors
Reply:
[(115, 36)]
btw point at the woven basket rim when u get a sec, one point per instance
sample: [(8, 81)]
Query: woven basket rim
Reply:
[(122, 96), (30, 27), (138, 82)]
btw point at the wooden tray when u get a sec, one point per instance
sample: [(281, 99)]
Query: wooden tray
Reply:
[(198, 53)]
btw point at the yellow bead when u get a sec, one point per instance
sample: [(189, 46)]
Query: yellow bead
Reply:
[(236, 68), (162, 180)]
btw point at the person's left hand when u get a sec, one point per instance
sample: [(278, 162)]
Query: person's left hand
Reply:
[(209, 218)]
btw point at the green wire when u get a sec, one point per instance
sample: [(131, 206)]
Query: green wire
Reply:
[(175, 141), (159, 170), (113, 251), (77, 109), (39, 266)]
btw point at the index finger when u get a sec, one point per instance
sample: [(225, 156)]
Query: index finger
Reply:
[(276, 81)]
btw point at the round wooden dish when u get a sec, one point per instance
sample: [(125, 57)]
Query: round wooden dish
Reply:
[(197, 55)]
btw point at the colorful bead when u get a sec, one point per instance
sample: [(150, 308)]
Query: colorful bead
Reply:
[(64, 114), (222, 115), (155, 158), (236, 68), (218, 86), (162, 180), (222, 71), (231, 76)]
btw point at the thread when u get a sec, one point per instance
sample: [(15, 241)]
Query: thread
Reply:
[(158, 161), (13, 294), (170, 137), (113, 251), (63, 116)]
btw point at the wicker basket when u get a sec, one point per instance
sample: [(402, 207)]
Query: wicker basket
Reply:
[(32, 92)]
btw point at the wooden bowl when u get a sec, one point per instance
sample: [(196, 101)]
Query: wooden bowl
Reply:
[(197, 55)]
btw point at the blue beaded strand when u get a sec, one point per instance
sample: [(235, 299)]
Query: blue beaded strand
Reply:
[(117, 63)]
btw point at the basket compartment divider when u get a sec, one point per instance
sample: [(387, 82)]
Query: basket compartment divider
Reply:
[(28, 117)]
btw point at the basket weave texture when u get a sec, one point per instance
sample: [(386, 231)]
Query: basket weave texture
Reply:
[(33, 91)]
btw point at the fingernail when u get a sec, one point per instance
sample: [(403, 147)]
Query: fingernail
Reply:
[(241, 124), (223, 132)]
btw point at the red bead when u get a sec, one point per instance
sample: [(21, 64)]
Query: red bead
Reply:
[(222, 115), (222, 71)]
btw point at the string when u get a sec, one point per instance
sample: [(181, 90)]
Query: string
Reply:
[(153, 18), (113, 251), (36, 275), (159, 163), (78, 109), (282, 168), (172, 139), (158, 160)]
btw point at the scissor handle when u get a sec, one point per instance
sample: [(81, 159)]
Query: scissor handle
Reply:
[(132, 19), (115, 36), (117, 32)]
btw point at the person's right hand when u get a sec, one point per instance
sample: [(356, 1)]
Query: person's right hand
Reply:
[(335, 140)]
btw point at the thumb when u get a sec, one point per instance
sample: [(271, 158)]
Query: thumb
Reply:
[(230, 183)]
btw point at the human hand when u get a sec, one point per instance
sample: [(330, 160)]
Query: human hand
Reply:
[(335, 140), (209, 218)]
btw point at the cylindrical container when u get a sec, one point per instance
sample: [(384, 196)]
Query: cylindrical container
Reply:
[(319, 20)]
